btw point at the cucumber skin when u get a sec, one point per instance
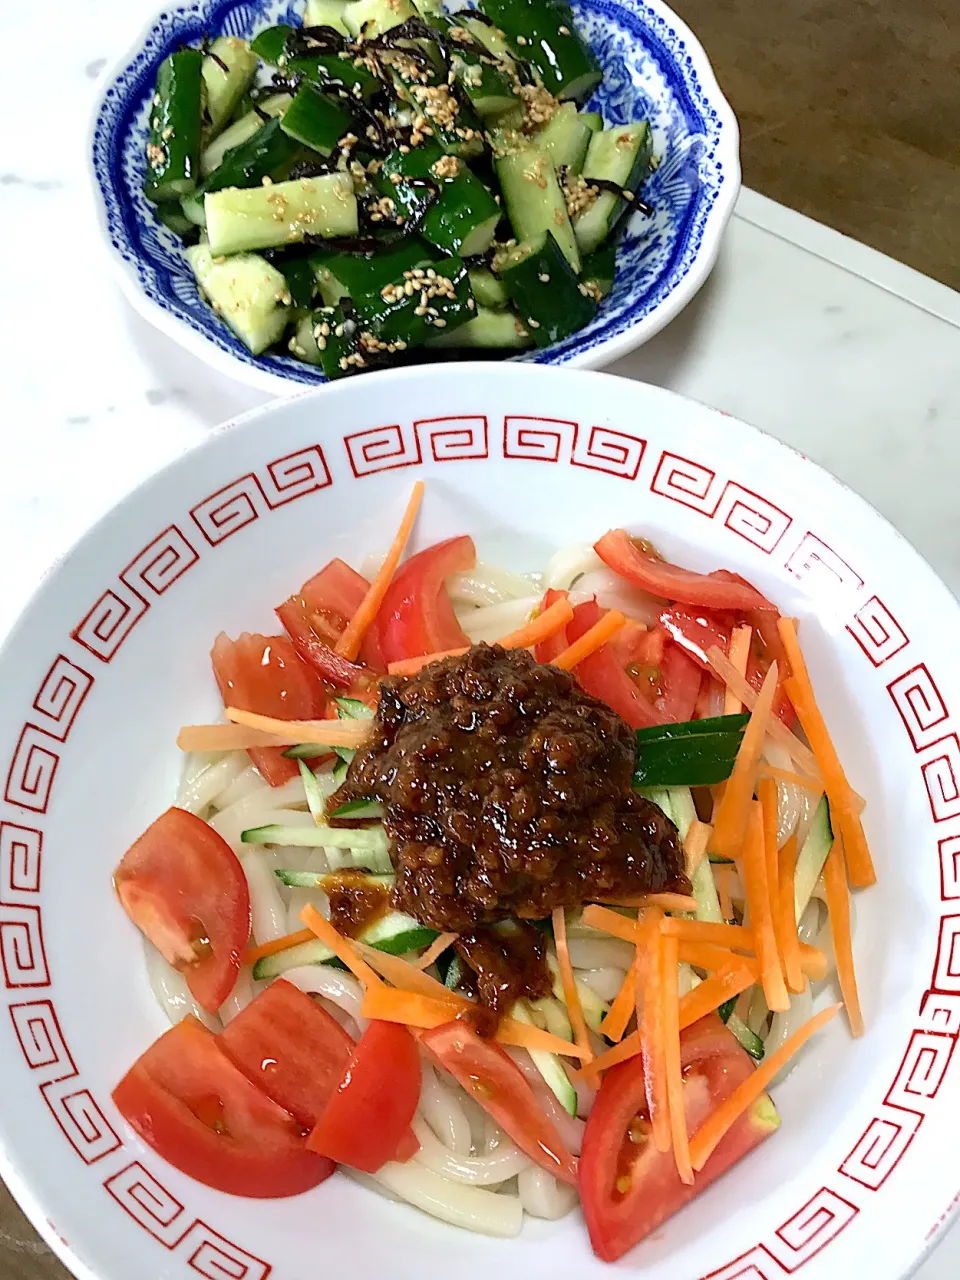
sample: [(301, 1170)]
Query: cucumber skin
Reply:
[(551, 308), (247, 219), (268, 153), (226, 88), (173, 144), (534, 200), (462, 206), (315, 120), (543, 32)]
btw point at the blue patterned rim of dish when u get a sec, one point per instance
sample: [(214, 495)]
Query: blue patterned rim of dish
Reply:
[(649, 73)]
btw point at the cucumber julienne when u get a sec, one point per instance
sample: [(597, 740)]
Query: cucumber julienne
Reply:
[(390, 176)]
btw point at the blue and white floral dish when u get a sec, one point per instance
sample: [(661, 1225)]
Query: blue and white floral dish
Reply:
[(654, 69)]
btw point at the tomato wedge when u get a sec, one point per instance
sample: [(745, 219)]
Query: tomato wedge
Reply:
[(290, 1048), (708, 590), (367, 1120), (696, 631), (301, 627), (316, 616), (265, 674), (416, 616), (553, 646), (603, 675), (495, 1081), (188, 1102), (627, 1187), (680, 679), (183, 886)]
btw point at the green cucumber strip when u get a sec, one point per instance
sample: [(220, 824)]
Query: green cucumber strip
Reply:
[(267, 153), (749, 1039), (565, 138), (548, 1064), (225, 88), (683, 809), (393, 933), (705, 891), (306, 751), (315, 120), (695, 753), (301, 282), (315, 801), (280, 214), (173, 144), (360, 840), (620, 155), (812, 857), (487, 289), (535, 203), (340, 769), (213, 155), (488, 330), (462, 218), (247, 292), (545, 290), (359, 809), (594, 1009), (304, 953), (326, 13), (727, 1008), (353, 709), (365, 274), (545, 34), (454, 974)]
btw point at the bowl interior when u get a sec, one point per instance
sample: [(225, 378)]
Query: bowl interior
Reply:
[(111, 657), (653, 69)]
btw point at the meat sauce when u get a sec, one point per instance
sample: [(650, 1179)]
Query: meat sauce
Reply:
[(503, 965), (355, 901)]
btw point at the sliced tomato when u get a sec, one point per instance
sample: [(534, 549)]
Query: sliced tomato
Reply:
[(264, 674), (680, 679), (553, 646), (603, 675), (290, 1048), (302, 628), (367, 1120), (184, 887), (495, 1081), (627, 1187), (187, 1101), (696, 631), (317, 615), (639, 647), (644, 569), (416, 617)]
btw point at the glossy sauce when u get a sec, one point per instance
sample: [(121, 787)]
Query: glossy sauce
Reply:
[(503, 965), (355, 901)]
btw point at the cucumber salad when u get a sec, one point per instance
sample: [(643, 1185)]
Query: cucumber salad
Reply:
[(388, 181), (499, 893)]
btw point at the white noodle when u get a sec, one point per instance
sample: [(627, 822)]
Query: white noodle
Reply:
[(261, 807), (811, 921), (599, 953), (612, 592), (201, 789), (782, 1027), (544, 1196), (475, 1171), (570, 563), (443, 1113), (605, 982), (244, 989), (496, 620), (486, 584), (171, 991), (244, 784), (197, 762), (474, 1208), (790, 797), (341, 989), (267, 910), (569, 1127)]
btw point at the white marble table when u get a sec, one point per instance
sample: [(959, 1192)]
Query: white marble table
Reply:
[(844, 354)]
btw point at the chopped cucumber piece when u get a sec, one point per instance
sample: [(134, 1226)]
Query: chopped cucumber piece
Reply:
[(394, 320), (214, 153), (280, 214), (462, 216), (593, 119), (749, 1039), (594, 1009), (247, 291), (326, 13), (374, 17), (487, 289), (535, 202), (620, 155), (545, 290), (314, 119), (492, 38), (301, 282), (488, 330), (227, 71), (173, 217), (394, 933), (173, 144), (565, 138), (365, 274), (599, 268), (353, 709), (268, 153), (359, 839), (270, 43), (549, 1065), (455, 972), (306, 751), (315, 798), (812, 857), (682, 809), (359, 809), (192, 209), (727, 1008), (545, 34)]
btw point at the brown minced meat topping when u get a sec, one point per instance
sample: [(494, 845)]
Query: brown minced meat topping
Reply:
[(506, 792)]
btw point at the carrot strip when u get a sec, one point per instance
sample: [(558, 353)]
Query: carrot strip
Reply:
[(695, 850), (649, 965), (328, 733), (277, 945), (546, 624), (405, 977), (620, 1012), (730, 819), (721, 874), (590, 641), (670, 1013), (710, 994), (769, 802), (790, 943), (229, 737), (843, 809), (436, 949), (800, 753), (711, 1132), (787, 775), (571, 997), (735, 937), (838, 907), (668, 901), (348, 646), (739, 653), (702, 955), (341, 947), (761, 916), (611, 922), (813, 962), (627, 1048), (410, 666)]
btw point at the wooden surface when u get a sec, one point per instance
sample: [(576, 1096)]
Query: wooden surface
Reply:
[(850, 112)]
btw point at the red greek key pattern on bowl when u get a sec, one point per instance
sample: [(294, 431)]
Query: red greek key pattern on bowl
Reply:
[(940, 1011), (383, 449), (820, 568), (109, 622), (820, 1220), (687, 482), (881, 1147), (239, 503), (941, 777), (877, 631), (752, 518), (950, 867), (454, 439), (228, 510), (602, 449), (159, 1212), (295, 475), (922, 709), (921, 1071), (61, 696), (756, 1264), (22, 954), (537, 439), (32, 770), (160, 563), (946, 975)]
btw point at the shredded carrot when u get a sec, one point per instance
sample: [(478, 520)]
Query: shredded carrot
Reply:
[(229, 737), (721, 874), (843, 808), (436, 949), (405, 977), (730, 819), (761, 914), (621, 1011), (627, 1048), (348, 646), (788, 776), (838, 907), (668, 901), (813, 962), (611, 922), (703, 955), (735, 937), (341, 947), (769, 803), (328, 733), (277, 945), (717, 1124), (723, 985), (800, 753), (789, 942), (571, 996), (739, 653), (546, 624), (695, 850), (410, 666), (590, 641), (670, 1014), (649, 965)]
